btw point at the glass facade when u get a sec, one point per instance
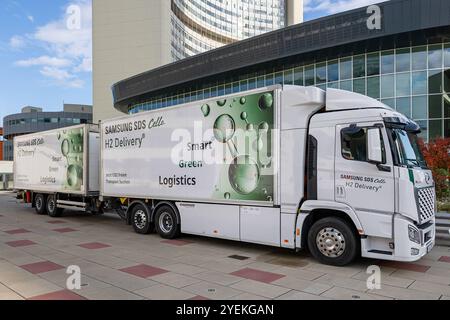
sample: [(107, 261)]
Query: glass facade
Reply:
[(201, 25), (413, 80)]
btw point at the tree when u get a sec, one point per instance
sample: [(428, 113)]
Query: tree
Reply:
[(437, 155)]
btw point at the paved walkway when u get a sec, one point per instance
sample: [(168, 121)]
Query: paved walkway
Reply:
[(116, 263)]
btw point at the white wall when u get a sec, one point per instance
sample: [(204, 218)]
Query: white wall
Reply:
[(6, 167), (129, 37)]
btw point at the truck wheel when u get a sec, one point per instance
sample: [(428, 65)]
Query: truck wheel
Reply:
[(140, 219), (166, 223), (52, 208), (39, 203), (332, 241)]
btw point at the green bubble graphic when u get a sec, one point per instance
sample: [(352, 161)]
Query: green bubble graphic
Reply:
[(74, 175), (266, 101), (206, 110), (244, 116), (243, 101), (263, 126), (244, 175), (224, 128), (65, 147), (227, 195), (221, 103)]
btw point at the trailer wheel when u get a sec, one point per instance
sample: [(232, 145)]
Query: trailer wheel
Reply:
[(332, 241), (140, 219), (166, 223), (52, 208), (39, 203)]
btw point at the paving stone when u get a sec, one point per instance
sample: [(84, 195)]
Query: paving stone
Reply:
[(404, 294), (94, 245), (431, 287), (185, 269), (17, 231), (338, 293), (212, 291), (306, 286), (59, 296), (218, 277), (411, 275), (258, 275), (297, 295), (41, 267), (260, 288), (175, 280), (110, 293), (35, 287), (387, 280), (163, 292), (348, 283), (144, 271), (20, 243), (178, 243)]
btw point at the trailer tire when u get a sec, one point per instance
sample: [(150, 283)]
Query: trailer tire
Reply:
[(140, 219), (166, 222), (52, 207), (40, 204), (332, 241)]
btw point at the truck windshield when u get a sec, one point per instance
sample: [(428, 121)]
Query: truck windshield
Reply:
[(408, 149)]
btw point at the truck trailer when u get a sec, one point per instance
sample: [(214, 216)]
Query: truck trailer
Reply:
[(59, 169), (294, 167)]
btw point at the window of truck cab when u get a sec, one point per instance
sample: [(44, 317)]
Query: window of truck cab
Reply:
[(407, 149), (354, 143)]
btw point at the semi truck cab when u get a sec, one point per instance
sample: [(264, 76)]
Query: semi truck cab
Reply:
[(364, 170)]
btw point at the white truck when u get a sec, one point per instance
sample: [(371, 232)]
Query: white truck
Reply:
[(286, 166), (59, 169)]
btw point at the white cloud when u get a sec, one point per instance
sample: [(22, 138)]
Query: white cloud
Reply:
[(335, 6), (17, 42), (69, 50), (30, 18), (44, 61)]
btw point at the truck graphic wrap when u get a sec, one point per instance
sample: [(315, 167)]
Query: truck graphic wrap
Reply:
[(219, 150), (51, 161)]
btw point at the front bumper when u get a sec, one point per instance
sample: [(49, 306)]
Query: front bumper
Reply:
[(406, 249)]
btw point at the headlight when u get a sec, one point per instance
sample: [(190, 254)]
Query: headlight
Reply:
[(414, 234)]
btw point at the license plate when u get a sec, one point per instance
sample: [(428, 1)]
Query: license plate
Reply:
[(430, 247)]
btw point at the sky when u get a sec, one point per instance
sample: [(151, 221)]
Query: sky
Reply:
[(46, 53)]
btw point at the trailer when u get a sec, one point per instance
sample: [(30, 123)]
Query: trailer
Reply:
[(59, 169)]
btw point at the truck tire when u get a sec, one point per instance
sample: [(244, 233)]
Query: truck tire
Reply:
[(166, 223), (140, 219), (40, 204), (52, 208), (332, 241)]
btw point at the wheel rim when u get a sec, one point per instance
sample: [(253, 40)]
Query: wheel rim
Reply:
[(140, 219), (331, 242), (39, 203), (51, 205), (166, 222)]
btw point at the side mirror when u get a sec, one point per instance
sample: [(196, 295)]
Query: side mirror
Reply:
[(374, 148)]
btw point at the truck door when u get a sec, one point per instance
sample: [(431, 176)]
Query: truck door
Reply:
[(366, 187)]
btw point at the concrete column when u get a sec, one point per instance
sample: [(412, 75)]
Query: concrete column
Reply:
[(294, 12)]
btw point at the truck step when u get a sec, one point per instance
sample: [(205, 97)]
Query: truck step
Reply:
[(443, 215), (442, 229), (442, 222), (442, 242)]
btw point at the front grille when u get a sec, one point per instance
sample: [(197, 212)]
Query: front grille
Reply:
[(426, 204)]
